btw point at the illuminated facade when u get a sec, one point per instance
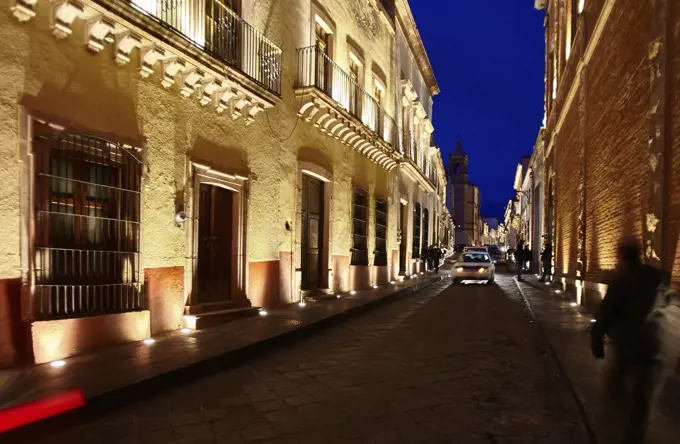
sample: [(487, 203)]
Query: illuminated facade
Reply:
[(166, 163), (611, 156)]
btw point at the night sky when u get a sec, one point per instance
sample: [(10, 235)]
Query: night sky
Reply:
[(488, 58)]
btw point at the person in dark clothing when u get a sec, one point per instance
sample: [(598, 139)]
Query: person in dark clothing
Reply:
[(519, 259), (435, 256), (546, 260), (623, 316)]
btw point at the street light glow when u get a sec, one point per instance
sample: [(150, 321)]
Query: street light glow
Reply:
[(58, 363), (149, 341)]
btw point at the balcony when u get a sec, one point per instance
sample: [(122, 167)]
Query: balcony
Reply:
[(340, 106), (220, 32), (201, 49), (413, 161)]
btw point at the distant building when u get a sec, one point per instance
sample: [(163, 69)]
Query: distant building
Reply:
[(464, 200)]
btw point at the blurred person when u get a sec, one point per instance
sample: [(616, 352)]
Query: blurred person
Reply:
[(519, 259), (634, 314), (546, 260)]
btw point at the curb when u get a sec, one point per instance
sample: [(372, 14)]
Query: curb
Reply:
[(118, 398), (580, 403)]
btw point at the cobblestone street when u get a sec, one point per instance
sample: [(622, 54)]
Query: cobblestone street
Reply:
[(449, 364)]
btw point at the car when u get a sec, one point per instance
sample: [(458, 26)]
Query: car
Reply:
[(474, 266), (477, 249), (496, 254)]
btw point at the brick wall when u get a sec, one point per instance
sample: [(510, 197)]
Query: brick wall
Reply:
[(614, 134)]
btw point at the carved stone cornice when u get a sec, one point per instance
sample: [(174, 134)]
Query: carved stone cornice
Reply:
[(408, 24), (335, 121), (182, 66)]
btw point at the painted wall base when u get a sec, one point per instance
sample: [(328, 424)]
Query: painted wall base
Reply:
[(69, 337)]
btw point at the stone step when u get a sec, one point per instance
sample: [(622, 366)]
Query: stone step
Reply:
[(209, 307), (210, 319)]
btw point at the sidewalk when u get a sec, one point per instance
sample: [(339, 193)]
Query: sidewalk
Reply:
[(127, 366), (568, 330)]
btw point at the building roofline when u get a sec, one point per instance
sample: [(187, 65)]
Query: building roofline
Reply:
[(405, 17)]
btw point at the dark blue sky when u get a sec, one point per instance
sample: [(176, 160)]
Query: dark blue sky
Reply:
[(488, 58)]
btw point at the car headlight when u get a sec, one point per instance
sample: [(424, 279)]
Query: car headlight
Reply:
[(482, 270), (459, 269)]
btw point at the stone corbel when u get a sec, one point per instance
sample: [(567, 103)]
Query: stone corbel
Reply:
[(171, 68), (420, 111), (409, 90), (209, 90), (24, 10), (240, 105), (191, 79), (97, 31), (226, 99), (149, 56), (253, 110), (125, 43), (65, 13), (427, 124)]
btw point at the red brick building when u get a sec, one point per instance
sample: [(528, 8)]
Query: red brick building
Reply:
[(612, 141)]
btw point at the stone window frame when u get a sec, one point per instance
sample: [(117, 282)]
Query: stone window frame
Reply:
[(27, 244), (321, 17)]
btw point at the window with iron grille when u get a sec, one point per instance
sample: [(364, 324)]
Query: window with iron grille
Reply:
[(360, 228), (87, 225), (426, 229), (416, 232), (380, 232)]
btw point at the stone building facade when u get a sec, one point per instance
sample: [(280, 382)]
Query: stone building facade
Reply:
[(167, 162), (611, 144)]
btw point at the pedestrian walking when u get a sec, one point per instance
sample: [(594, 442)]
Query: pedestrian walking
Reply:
[(435, 255), (519, 259), (546, 260), (634, 315)]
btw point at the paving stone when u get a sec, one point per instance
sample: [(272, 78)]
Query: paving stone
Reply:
[(451, 364), (258, 433)]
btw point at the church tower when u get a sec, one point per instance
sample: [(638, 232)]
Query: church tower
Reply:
[(458, 165)]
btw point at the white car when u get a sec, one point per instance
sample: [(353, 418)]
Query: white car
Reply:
[(474, 266)]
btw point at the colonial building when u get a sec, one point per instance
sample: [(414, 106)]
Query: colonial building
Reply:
[(522, 187), (464, 200), (169, 163), (611, 155), (536, 166)]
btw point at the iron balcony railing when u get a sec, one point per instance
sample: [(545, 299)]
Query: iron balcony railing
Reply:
[(220, 32), (315, 68)]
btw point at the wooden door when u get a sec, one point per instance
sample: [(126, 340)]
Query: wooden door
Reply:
[(215, 237), (312, 232), (402, 245)]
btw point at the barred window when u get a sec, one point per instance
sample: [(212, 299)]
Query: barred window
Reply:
[(87, 225), (416, 232), (426, 229), (380, 232), (360, 226)]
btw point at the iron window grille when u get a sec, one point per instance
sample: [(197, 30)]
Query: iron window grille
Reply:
[(426, 229), (360, 228), (416, 232), (380, 232), (87, 198)]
